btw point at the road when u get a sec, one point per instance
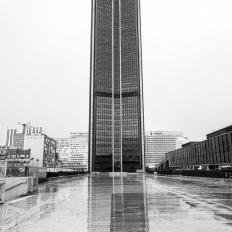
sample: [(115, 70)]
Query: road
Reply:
[(132, 202)]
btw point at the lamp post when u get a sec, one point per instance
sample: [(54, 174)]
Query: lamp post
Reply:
[(22, 159), (37, 160), (31, 159)]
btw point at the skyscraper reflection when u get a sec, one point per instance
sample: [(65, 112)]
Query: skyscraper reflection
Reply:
[(116, 203)]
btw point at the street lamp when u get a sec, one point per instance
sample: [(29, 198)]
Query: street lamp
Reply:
[(22, 159), (37, 160), (31, 159)]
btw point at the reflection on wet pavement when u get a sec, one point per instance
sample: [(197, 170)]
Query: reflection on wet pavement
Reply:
[(132, 202)]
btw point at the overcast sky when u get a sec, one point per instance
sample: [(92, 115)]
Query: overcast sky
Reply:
[(187, 62)]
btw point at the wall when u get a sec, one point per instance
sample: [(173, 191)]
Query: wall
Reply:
[(2, 191), (17, 186), (36, 144), (32, 185), (14, 187)]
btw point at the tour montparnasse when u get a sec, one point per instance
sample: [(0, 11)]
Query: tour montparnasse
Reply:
[(116, 120)]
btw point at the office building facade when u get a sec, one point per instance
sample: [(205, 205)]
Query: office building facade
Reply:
[(158, 143), (63, 149), (62, 143), (43, 150), (79, 150), (16, 157), (116, 120)]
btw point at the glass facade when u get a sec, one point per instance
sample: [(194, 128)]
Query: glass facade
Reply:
[(116, 131)]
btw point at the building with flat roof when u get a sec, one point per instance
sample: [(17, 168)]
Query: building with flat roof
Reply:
[(79, 150), (220, 131), (62, 143), (213, 153), (189, 144), (116, 120), (43, 150), (158, 143), (42, 147), (15, 137), (16, 157), (63, 149)]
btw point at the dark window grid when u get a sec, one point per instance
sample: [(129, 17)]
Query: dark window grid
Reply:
[(207, 152), (229, 138), (211, 151), (221, 149), (225, 148), (201, 154), (214, 151), (217, 150)]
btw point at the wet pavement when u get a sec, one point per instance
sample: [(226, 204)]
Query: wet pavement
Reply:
[(132, 202)]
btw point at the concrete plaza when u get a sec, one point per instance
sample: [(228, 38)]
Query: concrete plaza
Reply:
[(129, 202)]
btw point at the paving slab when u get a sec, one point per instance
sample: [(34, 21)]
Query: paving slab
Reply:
[(122, 203)]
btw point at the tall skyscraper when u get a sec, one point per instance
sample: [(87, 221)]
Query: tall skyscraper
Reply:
[(116, 122)]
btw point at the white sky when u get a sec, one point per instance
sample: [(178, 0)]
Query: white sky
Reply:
[(187, 61)]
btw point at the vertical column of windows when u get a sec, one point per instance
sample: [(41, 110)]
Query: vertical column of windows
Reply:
[(129, 84), (102, 82), (225, 145), (221, 149), (229, 137), (201, 154), (117, 129), (217, 150), (210, 147), (204, 152), (208, 152), (214, 151)]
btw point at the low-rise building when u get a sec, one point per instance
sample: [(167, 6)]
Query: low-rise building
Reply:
[(158, 143), (211, 154), (79, 149), (16, 157), (43, 150), (63, 149)]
